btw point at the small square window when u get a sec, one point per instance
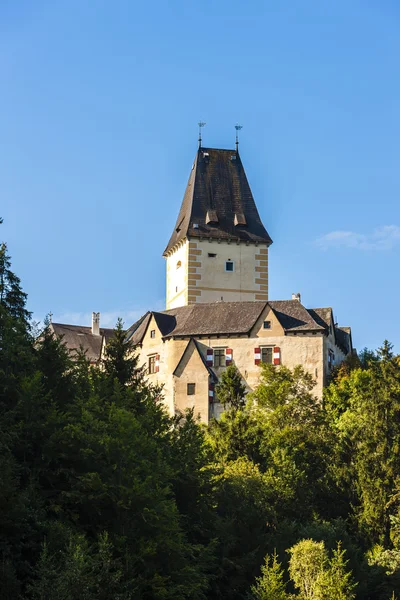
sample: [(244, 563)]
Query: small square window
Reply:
[(191, 389), (153, 333), (267, 324), (266, 355), (229, 265)]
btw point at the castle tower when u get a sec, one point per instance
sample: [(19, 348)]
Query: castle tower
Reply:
[(219, 247)]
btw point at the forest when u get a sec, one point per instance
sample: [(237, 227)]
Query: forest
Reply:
[(105, 496)]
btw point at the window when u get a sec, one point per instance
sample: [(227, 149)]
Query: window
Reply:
[(178, 264), (211, 255), (219, 357), (267, 355), (152, 364), (229, 265), (267, 324), (153, 333), (191, 389)]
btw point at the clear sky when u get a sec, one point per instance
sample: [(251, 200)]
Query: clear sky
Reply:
[(99, 107)]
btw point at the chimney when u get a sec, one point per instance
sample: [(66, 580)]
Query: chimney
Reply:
[(296, 297), (95, 323)]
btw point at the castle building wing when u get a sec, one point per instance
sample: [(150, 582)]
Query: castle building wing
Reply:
[(230, 319), (75, 337), (218, 202)]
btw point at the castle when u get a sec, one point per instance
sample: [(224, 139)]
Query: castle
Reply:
[(218, 310)]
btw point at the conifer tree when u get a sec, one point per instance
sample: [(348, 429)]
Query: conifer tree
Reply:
[(231, 390), (270, 585)]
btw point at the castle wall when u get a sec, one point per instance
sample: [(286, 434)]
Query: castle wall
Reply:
[(306, 349), (177, 276), (202, 277)]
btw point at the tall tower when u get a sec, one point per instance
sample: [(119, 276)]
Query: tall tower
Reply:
[(219, 247)]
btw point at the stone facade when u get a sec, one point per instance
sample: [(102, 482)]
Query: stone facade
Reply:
[(181, 363), (196, 272)]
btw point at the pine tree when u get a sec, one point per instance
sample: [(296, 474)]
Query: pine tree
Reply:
[(16, 349), (270, 586), (231, 390)]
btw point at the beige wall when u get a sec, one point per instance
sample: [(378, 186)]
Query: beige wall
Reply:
[(177, 281), (192, 370), (204, 279), (309, 350)]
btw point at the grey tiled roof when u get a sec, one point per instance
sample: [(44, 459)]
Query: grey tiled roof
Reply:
[(226, 318), (322, 316), (215, 318), (294, 317), (219, 201), (76, 336)]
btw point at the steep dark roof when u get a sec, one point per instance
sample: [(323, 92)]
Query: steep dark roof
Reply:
[(293, 316), (343, 338), (218, 199), (76, 336), (322, 316)]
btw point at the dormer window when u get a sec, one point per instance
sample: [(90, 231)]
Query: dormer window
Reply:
[(229, 266)]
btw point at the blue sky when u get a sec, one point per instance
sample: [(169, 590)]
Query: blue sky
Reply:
[(99, 107)]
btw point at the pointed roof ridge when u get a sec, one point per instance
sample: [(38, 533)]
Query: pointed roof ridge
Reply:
[(196, 345), (218, 202)]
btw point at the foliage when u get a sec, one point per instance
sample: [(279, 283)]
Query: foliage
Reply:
[(270, 586), (104, 495), (231, 389)]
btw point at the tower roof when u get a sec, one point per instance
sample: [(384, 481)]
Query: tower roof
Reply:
[(218, 202)]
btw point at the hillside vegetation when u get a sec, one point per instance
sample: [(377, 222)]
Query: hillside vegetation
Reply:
[(104, 496)]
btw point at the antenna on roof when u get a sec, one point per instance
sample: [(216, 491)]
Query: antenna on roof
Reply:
[(200, 124), (238, 128), (50, 317)]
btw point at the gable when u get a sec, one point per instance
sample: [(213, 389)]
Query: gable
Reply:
[(276, 329), (191, 363)]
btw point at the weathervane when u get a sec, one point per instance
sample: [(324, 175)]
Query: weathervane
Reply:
[(238, 128), (200, 124)]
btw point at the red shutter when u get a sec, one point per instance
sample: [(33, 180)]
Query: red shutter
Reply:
[(228, 357), (157, 369), (210, 354), (211, 393), (277, 356), (257, 356)]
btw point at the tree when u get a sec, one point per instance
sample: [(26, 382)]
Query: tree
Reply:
[(335, 582), (16, 350), (306, 566), (270, 585), (231, 390)]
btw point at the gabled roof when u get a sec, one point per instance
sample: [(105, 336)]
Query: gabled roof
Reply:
[(293, 317), (218, 202), (323, 316), (215, 318), (193, 342), (76, 336)]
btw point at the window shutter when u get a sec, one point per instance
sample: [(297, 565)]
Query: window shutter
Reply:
[(277, 356), (257, 356), (211, 393), (157, 363), (228, 356), (210, 354)]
